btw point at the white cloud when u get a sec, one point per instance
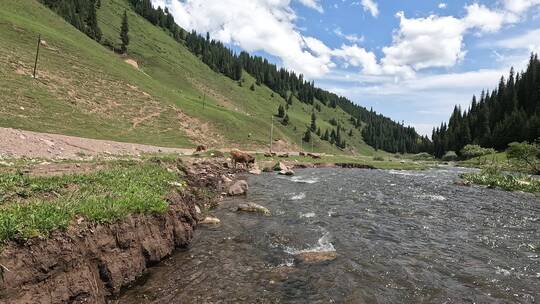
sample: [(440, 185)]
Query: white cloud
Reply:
[(425, 42), (520, 6), (528, 41), (314, 4), (358, 57), (486, 20), (371, 7), (442, 5), (253, 25), (349, 37)]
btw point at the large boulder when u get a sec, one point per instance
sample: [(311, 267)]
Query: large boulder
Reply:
[(238, 188), (280, 167), (252, 207)]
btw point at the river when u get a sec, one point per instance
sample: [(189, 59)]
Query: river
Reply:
[(399, 236)]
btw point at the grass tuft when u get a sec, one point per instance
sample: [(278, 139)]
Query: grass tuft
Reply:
[(35, 206)]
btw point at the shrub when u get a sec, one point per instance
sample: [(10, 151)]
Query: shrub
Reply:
[(450, 156), (423, 156), (378, 158), (472, 151), (525, 155)]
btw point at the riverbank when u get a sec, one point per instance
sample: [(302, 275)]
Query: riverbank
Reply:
[(83, 235), (80, 228)]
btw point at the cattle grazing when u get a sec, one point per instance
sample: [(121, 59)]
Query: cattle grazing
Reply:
[(201, 148), (242, 158)]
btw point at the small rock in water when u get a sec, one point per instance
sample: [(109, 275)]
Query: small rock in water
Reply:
[(238, 188), (313, 257), (210, 220), (280, 167), (252, 207), (255, 170), (287, 172)]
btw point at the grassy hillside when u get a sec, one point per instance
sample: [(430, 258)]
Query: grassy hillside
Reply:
[(171, 99)]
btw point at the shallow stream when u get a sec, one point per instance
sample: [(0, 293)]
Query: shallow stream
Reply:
[(400, 237)]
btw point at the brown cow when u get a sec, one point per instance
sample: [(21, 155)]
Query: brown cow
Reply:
[(201, 148), (242, 158)]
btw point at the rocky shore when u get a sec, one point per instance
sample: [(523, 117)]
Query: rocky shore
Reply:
[(92, 263)]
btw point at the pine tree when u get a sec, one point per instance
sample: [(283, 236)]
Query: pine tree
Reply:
[(307, 136), (285, 120), (326, 135), (124, 33), (313, 126), (281, 111), (252, 87)]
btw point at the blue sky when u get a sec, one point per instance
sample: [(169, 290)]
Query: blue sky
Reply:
[(410, 60)]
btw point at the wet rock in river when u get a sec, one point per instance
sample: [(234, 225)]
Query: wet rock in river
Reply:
[(280, 167), (255, 170), (252, 207), (238, 188), (288, 172), (210, 220)]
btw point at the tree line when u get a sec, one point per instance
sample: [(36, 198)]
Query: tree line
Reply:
[(82, 14), (510, 113), (286, 83), (380, 132)]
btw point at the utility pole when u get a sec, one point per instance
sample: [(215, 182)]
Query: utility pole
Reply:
[(37, 55), (271, 133)]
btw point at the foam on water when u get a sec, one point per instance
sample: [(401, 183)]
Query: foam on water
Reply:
[(432, 197), (323, 245), (304, 180), (307, 215), (299, 196)]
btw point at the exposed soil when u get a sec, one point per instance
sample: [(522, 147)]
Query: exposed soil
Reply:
[(18, 143), (91, 263)]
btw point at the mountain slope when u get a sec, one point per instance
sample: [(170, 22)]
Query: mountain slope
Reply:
[(172, 99)]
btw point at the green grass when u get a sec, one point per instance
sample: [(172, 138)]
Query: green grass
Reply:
[(504, 181), (35, 206), (86, 90)]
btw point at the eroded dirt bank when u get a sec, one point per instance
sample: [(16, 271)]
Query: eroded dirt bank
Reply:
[(91, 263)]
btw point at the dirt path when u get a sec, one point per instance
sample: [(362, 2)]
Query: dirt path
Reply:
[(18, 143)]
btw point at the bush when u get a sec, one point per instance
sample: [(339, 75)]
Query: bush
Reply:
[(525, 155), (493, 178), (472, 151), (423, 156), (450, 156), (378, 158)]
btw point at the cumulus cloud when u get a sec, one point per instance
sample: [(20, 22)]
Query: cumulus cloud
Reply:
[(442, 5), (520, 6), (486, 20), (371, 7), (425, 42), (270, 26), (253, 25)]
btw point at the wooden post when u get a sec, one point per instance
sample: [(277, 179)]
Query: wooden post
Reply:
[(204, 101), (271, 133), (37, 55)]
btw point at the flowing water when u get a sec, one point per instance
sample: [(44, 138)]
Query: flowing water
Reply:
[(400, 237)]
